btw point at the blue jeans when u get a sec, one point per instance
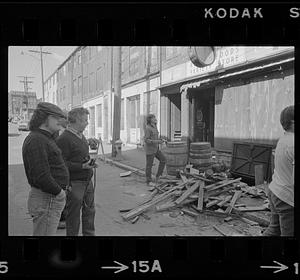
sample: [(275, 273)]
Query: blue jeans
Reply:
[(80, 198), (282, 217), (45, 209), (149, 163)]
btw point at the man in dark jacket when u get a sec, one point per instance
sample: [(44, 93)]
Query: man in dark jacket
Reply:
[(152, 142), (45, 169), (75, 150)]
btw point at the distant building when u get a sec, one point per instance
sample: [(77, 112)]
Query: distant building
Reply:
[(50, 89), (21, 105)]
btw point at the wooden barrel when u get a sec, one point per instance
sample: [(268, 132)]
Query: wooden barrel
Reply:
[(176, 154), (201, 155)]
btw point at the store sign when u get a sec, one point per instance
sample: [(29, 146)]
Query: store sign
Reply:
[(254, 53), (175, 73), (225, 57)]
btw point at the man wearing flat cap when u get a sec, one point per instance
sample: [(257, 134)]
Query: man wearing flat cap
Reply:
[(45, 169), (281, 190)]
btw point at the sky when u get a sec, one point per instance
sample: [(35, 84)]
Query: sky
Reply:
[(21, 62)]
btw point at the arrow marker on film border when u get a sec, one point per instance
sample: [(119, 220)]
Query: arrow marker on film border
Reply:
[(120, 268), (281, 267)]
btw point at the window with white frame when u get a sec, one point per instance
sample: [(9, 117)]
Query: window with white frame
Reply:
[(154, 55), (134, 55)]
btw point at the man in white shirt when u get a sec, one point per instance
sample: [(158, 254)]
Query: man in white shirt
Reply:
[(281, 189)]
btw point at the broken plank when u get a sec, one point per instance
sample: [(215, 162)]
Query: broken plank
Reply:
[(221, 184), (216, 198), (140, 209), (235, 197), (124, 210), (201, 196), (134, 220), (218, 192), (214, 202), (189, 212), (227, 198), (166, 206), (187, 193), (216, 184), (200, 178), (260, 220), (219, 230), (194, 171), (252, 208), (145, 216), (183, 177)]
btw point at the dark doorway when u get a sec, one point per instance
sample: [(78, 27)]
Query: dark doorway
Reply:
[(204, 101)]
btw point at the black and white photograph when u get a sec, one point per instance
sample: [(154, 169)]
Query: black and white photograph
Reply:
[(151, 141)]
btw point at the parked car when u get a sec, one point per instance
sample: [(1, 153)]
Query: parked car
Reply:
[(23, 125)]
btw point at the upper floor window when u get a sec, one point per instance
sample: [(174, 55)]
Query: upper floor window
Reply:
[(75, 60), (134, 54), (154, 55), (172, 52), (79, 57)]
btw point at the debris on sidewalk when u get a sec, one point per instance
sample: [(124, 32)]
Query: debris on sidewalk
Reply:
[(206, 194)]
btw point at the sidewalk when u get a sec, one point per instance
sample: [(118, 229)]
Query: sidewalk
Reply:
[(133, 158)]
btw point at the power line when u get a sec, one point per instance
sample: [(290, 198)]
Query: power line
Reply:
[(26, 81), (41, 52)]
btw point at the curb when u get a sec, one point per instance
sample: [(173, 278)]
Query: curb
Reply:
[(124, 166)]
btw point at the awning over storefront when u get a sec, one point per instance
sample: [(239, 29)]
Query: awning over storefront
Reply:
[(218, 77)]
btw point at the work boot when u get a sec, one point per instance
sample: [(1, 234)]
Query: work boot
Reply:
[(157, 180), (148, 182)]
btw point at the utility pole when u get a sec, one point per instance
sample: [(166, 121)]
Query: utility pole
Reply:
[(117, 101), (26, 90), (41, 52)]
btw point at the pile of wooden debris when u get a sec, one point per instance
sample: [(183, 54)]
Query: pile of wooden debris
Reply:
[(209, 193)]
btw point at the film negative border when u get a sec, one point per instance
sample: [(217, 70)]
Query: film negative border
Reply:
[(156, 256), (155, 24), (182, 256)]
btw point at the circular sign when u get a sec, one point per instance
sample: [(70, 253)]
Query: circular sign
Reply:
[(202, 56)]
